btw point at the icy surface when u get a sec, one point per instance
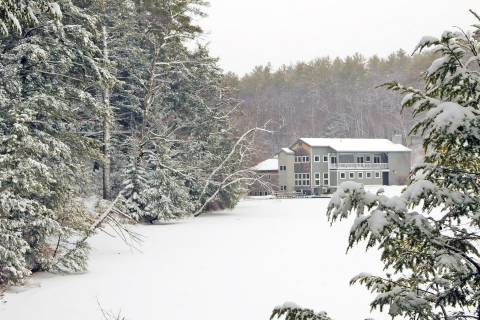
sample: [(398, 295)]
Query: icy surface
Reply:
[(233, 265)]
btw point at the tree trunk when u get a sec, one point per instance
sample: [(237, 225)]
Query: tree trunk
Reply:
[(106, 128)]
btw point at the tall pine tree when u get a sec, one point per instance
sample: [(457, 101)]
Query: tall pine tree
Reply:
[(46, 82)]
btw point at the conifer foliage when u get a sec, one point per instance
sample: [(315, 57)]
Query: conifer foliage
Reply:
[(87, 82), (44, 79), (429, 234)]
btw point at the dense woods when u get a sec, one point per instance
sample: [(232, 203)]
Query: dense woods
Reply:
[(103, 98), (329, 97)]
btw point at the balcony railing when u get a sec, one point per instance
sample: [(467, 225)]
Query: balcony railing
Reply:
[(358, 165)]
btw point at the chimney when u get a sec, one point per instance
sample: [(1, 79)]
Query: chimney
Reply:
[(397, 138)]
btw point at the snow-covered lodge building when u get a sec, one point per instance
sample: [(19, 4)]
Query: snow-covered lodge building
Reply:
[(319, 165)]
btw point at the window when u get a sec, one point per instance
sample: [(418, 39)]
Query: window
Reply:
[(368, 175), (376, 159), (317, 182), (368, 159), (325, 158), (260, 193), (360, 175), (343, 175), (317, 175), (359, 159), (303, 179), (377, 174), (256, 193), (305, 159), (296, 159), (325, 178), (333, 159), (316, 158), (300, 144), (351, 175), (282, 168)]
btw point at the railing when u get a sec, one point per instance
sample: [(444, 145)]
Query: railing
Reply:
[(285, 195), (358, 165)]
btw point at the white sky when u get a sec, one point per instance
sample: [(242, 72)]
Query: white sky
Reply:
[(246, 33)]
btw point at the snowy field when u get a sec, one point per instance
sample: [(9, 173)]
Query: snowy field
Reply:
[(235, 265)]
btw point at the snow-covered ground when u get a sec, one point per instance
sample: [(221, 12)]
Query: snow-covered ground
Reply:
[(233, 265)]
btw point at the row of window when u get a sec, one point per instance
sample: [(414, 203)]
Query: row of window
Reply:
[(351, 175), (307, 159), (259, 193), (333, 159), (302, 159), (303, 179)]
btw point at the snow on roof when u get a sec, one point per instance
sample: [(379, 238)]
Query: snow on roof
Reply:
[(267, 165), (356, 145), (287, 151)]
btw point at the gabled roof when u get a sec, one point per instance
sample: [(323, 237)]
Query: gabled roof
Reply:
[(354, 145), (267, 165)]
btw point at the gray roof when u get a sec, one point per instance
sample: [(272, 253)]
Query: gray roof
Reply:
[(355, 145)]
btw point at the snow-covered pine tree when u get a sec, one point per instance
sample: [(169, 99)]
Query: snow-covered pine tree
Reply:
[(135, 183), (15, 13), (168, 197), (45, 80), (429, 234), (173, 100)]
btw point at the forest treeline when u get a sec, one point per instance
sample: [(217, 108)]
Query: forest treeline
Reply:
[(104, 98), (329, 97)]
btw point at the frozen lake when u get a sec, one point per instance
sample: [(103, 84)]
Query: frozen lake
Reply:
[(231, 265)]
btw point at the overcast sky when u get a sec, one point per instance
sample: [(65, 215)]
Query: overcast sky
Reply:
[(247, 33)]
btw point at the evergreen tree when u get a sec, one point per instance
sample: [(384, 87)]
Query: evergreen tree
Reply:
[(135, 185), (173, 103), (15, 13), (45, 95)]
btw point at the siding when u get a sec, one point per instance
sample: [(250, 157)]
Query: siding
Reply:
[(286, 178)]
